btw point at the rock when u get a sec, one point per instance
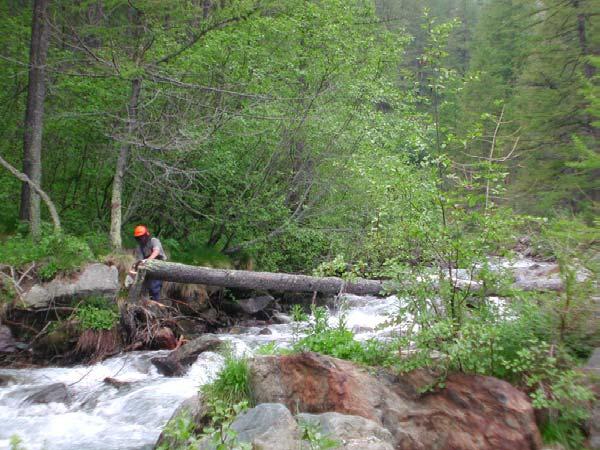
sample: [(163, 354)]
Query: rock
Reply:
[(191, 327), (7, 380), (538, 277), (177, 362), (51, 393), (116, 383), (165, 338), (254, 305), (8, 344), (281, 318), (94, 280), (265, 331), (352, 432), (268, 426), (192, 406), (472, 412), (357, 329)]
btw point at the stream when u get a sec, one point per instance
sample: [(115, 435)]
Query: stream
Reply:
[(101, 416)]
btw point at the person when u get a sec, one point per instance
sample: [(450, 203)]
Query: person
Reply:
[(148, 248)]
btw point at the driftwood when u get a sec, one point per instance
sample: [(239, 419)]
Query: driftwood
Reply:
[(177, 362), (267, 281)]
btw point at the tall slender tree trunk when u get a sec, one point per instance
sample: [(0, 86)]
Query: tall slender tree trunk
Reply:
[(34, 116), (117, 186)]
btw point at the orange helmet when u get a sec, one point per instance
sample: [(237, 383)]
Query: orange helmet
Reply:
[(140, 230)]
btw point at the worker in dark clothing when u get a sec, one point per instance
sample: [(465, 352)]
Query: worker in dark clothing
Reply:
[(148, 248)]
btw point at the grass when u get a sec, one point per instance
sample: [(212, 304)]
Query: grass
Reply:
[(232, 384), (563, 433)]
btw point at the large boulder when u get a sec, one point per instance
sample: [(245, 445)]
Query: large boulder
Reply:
[(538, 277), (472, 412), (351, 432), (93, 280), (268, 426)]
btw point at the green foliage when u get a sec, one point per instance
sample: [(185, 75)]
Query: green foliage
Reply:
[(271, 348), (16, 443), (563, 433), (52, 253), (97, 314), (340, 342), (179, 433), (312, 433), (219, 432), (232, 384)]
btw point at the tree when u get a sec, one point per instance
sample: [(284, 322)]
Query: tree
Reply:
[(34, 116)]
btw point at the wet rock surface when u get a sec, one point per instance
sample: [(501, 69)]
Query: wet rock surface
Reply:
[(472, 412), (52, 393)]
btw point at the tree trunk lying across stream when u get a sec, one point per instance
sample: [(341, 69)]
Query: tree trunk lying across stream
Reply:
[(181, 273)]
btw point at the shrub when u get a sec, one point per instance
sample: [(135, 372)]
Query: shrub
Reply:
[(339, 342), (53, 253), (96, 313), (179, 433)]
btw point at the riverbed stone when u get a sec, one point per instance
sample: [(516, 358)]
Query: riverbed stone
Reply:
[(93, 280), (281, 318), (471, 412), (254, 305), (51, 393), (268, 426), (351, 432)]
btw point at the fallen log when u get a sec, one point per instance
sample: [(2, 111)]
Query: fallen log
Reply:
[(268, 281)]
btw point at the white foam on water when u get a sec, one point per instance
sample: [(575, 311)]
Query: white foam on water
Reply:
[(103, 417)]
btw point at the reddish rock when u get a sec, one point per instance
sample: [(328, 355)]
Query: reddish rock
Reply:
[(472, 412)]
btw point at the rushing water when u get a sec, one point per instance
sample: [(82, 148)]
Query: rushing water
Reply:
[(101, 416)]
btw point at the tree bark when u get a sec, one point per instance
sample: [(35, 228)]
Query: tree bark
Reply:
[(38, 190), (117, 186), (34, 116), (181, 273)]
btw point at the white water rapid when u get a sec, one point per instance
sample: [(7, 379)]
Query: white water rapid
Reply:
[(101, 416)]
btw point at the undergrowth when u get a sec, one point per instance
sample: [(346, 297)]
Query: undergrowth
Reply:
[(232, 384), (96, 313), (52, 253), (340, 342)]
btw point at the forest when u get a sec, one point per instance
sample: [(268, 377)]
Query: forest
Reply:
[(412, 142)]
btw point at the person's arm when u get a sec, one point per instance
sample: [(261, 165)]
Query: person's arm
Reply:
[(154, 254)]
